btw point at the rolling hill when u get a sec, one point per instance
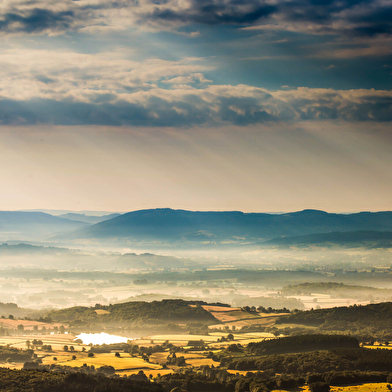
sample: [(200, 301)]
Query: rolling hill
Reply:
[(366, 238), (16, 225), (88, 218), (167, 225)]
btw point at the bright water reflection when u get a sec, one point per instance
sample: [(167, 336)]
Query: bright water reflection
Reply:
[(101, 338)]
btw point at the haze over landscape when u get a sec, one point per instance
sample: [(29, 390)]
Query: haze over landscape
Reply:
[(254, 106), (195, 195)]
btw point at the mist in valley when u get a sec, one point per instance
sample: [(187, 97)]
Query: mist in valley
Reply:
[(60, 273)]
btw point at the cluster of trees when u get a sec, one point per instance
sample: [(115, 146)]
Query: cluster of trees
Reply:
[(373, 319), (342, 366), (152, 312), (15, 355), (44, 381), (262, 309), (210, 379), (333, 288), (302, 343), (302, 363)]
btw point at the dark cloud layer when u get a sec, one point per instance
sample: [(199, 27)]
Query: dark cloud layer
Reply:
[(192, 110), (215, 12), (359, 17), (36, 21)]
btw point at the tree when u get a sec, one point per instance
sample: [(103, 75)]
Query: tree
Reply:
[(65, 348), (20, 327), (319, 387), (72, 348), (135, 349), (90, 354), (37, 343), (117, 354)]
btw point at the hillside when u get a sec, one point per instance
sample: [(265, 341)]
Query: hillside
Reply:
[(28, 249), (16, 225), (169, 225), (361, 238), (302, 343), (88, 218), (373, 319), (156, 312), (44, 381)]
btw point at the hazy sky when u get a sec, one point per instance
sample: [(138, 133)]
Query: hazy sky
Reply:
[(251, 105)]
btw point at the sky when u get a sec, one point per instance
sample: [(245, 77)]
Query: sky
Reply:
[(250, 105)]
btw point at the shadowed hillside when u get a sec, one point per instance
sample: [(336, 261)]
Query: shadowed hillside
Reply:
[(33, 225), (169, 225), (362, 238)]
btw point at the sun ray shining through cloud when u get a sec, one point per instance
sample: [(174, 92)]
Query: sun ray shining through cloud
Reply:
[(252, 105)]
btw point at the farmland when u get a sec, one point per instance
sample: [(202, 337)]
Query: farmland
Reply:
[(264, 347)]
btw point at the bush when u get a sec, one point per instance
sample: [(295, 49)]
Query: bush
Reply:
[(319, 387)]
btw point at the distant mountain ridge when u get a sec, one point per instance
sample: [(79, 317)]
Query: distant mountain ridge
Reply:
[(368, 238), (22, 248), (88, 218), (169, 225), (33, 225)]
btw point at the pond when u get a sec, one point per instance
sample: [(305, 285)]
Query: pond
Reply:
[(101, 338)]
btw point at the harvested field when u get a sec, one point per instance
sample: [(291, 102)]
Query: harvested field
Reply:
[(125, 362), (219, 309), (101, 311), (201, 362), (56, 340), (27, 324)]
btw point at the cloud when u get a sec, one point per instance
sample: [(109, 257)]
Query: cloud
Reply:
[(40, 86), (82, 77), (210, 12), (348, 17), (214, 106), (36, 20)]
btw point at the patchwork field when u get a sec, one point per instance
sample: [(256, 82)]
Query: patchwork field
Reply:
[(377, 346), (125, 362), (57, 341), (370, 387), (219, 309), (27, 324)]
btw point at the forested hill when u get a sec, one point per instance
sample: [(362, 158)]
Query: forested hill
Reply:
[(209, 227), (302, 343), (362, 319), (17, 225), (165, 311), (43, 381), (361, 238)]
